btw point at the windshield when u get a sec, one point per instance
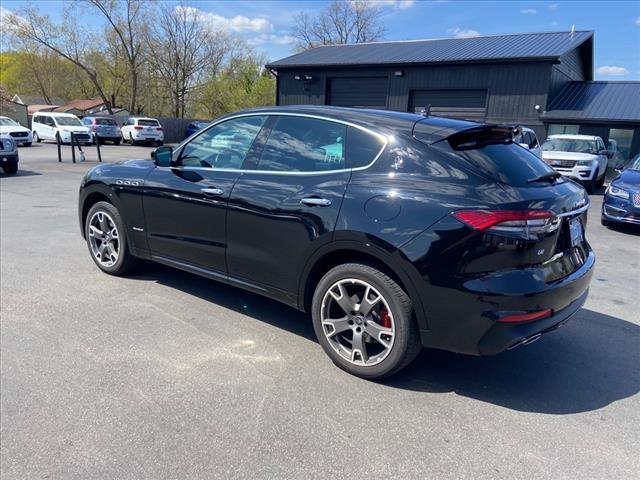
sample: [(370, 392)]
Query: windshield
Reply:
[(148, 123), (634, 163), (7, 122), (105, 121), (68, 121), (569, 145)]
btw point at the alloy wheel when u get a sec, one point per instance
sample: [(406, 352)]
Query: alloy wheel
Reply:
[(104, 239), (357, 322)]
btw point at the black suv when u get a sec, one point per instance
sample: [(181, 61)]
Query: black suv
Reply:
[(394, 231)]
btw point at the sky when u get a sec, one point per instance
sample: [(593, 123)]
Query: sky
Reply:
[(267, 25)]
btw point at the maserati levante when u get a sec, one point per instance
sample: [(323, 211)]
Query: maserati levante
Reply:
[(394, 231)]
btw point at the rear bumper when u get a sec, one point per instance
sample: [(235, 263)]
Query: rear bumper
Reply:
[(502, 336), (464, 318)]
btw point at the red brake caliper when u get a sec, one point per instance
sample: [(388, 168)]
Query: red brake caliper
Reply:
[(385, 319)]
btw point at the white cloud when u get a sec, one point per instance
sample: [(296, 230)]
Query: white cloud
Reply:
[(399, 4), (458, 32), (612, 70), (528, 11), (554, 24), (552, 6), (237, 24), (5, 14), (272, 39)]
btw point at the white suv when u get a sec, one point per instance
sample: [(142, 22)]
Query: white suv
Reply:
[(142, 130), (53, 125), (580, 157)]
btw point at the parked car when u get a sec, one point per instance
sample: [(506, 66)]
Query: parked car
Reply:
[(194, 127), (582, 158), (142, 130), (104, 129), (54, 125), (22, 135), (622, 198), (394, 231), (527, 138), (8, 154)]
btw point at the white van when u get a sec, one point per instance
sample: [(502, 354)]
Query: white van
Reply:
[(51, 125)]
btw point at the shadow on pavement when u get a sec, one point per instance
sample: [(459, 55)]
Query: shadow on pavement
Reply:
[(591, 362), (20, 173)]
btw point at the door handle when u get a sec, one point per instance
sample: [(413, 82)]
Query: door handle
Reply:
[(316, 202), (212, 192)]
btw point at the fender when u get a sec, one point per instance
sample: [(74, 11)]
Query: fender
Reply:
[(381, 251), (128, 201)]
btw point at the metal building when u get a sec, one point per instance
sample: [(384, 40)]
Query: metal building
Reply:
[(503, 79)]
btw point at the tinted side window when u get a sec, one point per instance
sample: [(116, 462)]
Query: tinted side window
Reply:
[(222, 146), (36, 119), (362, 147), (300, 144)]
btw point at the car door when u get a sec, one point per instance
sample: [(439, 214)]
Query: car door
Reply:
[(602, 157), (286, 203), (185, 204)]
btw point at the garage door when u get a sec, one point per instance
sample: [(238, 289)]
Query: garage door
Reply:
[(364, 92), (465, 104)]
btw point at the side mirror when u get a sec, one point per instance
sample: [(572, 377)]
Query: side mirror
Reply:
[(619, 167), (524, 145), (162, 156), (606, 153)]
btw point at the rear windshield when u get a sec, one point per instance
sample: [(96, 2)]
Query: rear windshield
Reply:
[(105, 121), (568, 145), (507, 162), (148, 123)]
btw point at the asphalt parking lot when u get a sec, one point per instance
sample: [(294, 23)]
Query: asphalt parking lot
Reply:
[(167, 375)]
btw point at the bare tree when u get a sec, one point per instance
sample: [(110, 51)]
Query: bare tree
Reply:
[(66, 39), (183, 50), (125, 17), (341, 22)]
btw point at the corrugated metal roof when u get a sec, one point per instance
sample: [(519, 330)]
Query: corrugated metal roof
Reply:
[(531, 46), (618, 101)]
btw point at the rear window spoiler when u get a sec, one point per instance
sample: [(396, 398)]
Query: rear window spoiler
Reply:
[(463, 135)]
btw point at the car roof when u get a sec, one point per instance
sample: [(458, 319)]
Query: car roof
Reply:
[(568, 136), (143, 118), (384, 121), (56, 114)]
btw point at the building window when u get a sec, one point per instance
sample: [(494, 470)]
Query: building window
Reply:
[(560, 129), (620, 142)]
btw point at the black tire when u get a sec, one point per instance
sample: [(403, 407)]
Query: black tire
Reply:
[(600, 183), (27, 144), (131, 140), (126, 261), (10, 169), (36, 137), (116, 142), (406, 344), (159, 144)]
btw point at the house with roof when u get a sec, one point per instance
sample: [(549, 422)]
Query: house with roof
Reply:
[(540, 80)]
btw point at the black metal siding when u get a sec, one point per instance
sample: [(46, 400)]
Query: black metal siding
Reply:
[(513, 89)]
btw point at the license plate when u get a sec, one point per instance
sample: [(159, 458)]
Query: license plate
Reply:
[(576, 232)]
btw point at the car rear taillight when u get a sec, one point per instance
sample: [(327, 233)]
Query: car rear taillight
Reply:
[(526, 317), (159, 128), (138, 127), (522, 223)]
